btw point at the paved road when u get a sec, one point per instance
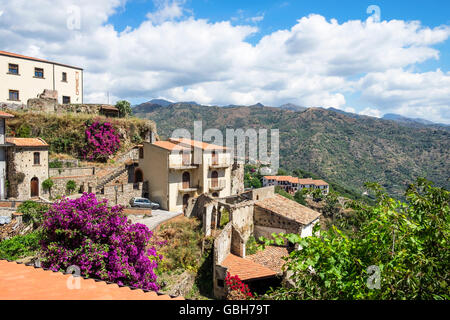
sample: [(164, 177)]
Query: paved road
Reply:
[(158, 216)]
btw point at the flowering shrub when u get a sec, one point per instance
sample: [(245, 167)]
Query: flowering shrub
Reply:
[(99, 240), (102, 141), (237, 290)]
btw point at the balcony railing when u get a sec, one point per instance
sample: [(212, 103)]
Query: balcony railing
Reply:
[(183, 165), (217, 185), (187, 188), (218, 163)]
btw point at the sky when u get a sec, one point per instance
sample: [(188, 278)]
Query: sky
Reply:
[(367, 57)]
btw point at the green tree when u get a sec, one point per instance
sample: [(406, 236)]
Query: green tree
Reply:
[(24, 131), (32, 212), (71, 186), (283, 193), (331, 207), (282, 172), (406, 242), (299, 196), (124, 108), (48, 185), (255, 183)]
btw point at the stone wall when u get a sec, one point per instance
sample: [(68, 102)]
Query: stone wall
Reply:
[(265, 218), (237, 178), (123, 194), (71, 172), (85, 183), (222, 247), (242, 218)]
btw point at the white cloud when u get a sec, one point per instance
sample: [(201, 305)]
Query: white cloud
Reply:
[(174, 55)]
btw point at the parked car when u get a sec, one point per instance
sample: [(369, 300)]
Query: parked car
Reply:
[(143, 203)]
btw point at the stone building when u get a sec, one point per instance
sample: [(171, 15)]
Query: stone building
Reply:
[(3, 149), (27, 167)]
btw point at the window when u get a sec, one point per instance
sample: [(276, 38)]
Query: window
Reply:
[(13, 68), (64, 77), (141, 153), (38, 73), (37, 158), (66, 100), (13, 95)]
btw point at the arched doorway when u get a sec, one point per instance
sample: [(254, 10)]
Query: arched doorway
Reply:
[(185, 200), (138, 176), (34, 186), (214, 179), (215, 194), (186, 180)]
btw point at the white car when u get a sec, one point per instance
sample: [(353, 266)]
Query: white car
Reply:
[(143, 203)]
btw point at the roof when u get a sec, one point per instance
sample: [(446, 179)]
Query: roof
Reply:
[(270, 257), (5, 115), (245, 268), (113, 108), (22, 282), (16, 55), (198, 144), (289, 209), (27, 142), (297, 180), (168, 145)]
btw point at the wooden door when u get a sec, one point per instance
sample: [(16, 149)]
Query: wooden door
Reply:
[(215, 158), (34, 185), (214, 179), (186, 180)]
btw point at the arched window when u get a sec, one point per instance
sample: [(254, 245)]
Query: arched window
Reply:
[(36, 158), (138, 176)]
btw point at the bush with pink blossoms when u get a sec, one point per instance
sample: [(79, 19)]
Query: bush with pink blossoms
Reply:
[(102, 141), (99, 240)]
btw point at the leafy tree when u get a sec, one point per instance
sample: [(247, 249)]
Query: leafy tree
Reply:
[(71, 186), (32, 212), (316, 194), (407, 242), (47, 184), (24, 131), (331, 207), (20, 246), (255, 183), (285, 194), (282, 172), (299, 196), (124, 108)]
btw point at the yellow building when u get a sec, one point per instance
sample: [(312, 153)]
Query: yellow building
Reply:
[(23, 78), (175, 174)]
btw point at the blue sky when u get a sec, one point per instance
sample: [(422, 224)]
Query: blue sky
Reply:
[(311, 53)]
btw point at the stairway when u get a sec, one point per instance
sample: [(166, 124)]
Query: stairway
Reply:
[(111, 176)]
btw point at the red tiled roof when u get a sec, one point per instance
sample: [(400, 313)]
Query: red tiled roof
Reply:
[(289, 209), (27, 142), (15, 55), (21, 282), (168, 145), (270, 257), (197, 144), (5, 115), (106, 107), (297, 180), (245, 268)]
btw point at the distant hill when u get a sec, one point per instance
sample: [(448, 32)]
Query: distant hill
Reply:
[(413, 121), (292, 107), (338, 148)]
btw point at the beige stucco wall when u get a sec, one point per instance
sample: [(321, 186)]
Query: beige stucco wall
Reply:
[(154, 167), (30, 87), (23, 161)]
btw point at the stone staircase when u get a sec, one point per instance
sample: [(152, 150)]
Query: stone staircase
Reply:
[(116, 173)]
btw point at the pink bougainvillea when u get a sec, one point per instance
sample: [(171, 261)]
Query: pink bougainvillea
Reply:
[(102, 141), (100, 241)]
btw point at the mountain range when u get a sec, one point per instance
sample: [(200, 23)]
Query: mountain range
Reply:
[(345, 149)]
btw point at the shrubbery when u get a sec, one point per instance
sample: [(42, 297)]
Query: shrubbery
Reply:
[(99, 240), (20, 246), (102, 141)]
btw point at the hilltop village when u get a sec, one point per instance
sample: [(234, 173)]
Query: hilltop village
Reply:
[(211, 191)]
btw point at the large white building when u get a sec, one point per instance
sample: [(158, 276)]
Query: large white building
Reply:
[(293, 184), (23, 78)]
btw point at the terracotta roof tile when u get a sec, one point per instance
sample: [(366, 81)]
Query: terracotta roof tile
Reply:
[(297, 180), (270, 257), (27, 142), (198, 144), (21, 282), (246, 269), (289, 209), (5, 115), (168, 145)]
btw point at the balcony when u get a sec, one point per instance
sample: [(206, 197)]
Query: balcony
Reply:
[(187, 188), (217, 184), (218, 164), (184, 165)]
